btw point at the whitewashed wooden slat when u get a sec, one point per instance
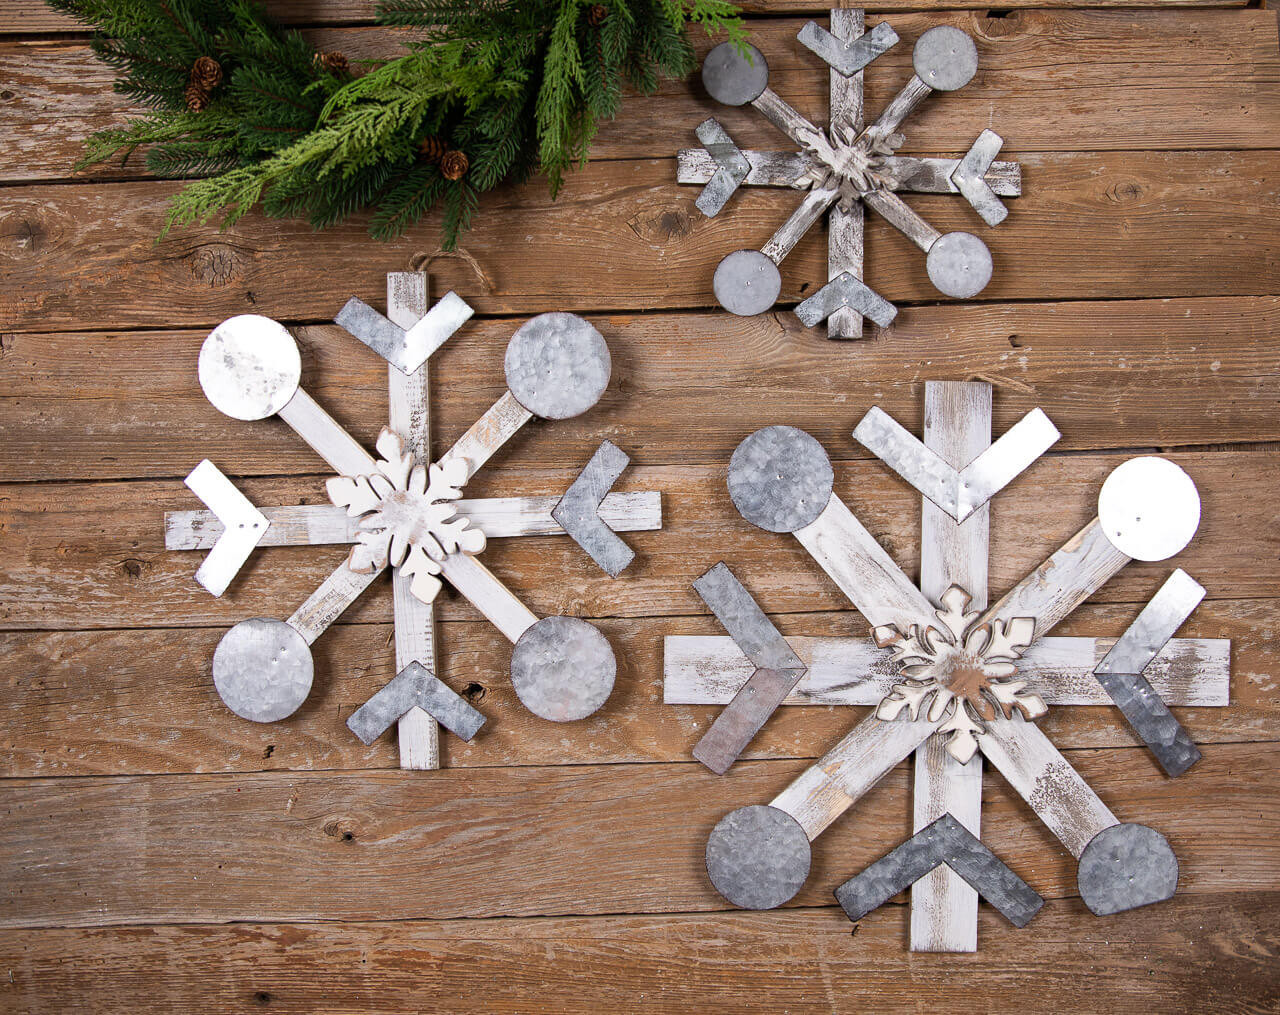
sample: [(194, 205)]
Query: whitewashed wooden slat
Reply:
[(329, 600), (1085, 563), (900, 106), (825, 790), (957, 428), (914, 175), (408, 409), (781, 243), (497, 517), (710, 669), (865, 573), (1046, 781), (844, 227), (902, 217), (783, 116), (486, 593), (500, 422), (326, 437)]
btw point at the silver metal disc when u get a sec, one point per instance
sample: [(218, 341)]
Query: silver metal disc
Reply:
[(563, 669), (262, 669), (1149, 508), (959, 265), (758, 857), (780, 479), (945, 58), (1126, 866), (557, 365), (249, 367), (747, 283), (731, 78)]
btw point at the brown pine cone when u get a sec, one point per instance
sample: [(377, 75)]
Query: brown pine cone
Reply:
[(206, 73), (197, 98), (454, 165), (334, 62), (433, 148), (596, 14)]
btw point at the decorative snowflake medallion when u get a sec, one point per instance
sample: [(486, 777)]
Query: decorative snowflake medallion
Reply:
[(949, 678), (844, 168)]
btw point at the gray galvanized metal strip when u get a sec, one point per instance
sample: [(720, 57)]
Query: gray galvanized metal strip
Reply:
[(243, 526), (758, 857), (846, 290), (1156, 624), (578, 510), (1126, 866), (1151, 720), (732, 167), (848, 57), (970, 178), (751, 630), (906, 455), (944, 841), (742, 718), (405, 350), (415, 685)]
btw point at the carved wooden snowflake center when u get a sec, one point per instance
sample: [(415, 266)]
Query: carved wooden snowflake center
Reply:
[(852, 163), (408, 519), (959, 669)]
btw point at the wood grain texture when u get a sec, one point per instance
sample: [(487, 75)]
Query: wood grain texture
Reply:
[(1090, 225), (306, 846), (1105, 372), (142, 701)]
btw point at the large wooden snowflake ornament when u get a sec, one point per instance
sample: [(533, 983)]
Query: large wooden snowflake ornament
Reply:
[(404, 510), (844, 168), (949, 678)]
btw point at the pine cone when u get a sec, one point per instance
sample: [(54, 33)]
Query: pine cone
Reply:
[(334, 62), (433, 148), (454, 165), (206, 74), (197, 98), (596, 14)]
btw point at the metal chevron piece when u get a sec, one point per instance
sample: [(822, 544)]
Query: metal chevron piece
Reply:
[(970, 178), (944, 841), (415, 685), (957, 492), (1120, 673), (846, 290), (778, 669), (406, 350), (243, 526), (578, 510), (732, 167), (848, 57)]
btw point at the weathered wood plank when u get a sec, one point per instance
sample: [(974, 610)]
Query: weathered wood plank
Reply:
[(1193, 953), (142, 701), (535, 841), (1090, 225), (1106, 374), (80, 556), (1119, 79)]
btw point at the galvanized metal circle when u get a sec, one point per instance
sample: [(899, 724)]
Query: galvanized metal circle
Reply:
[(758, 857), (945, 58), (563, 669), (263, 670), (249, 367), (746, 283), (557, 365), (780, 479), (959, 265), (1149, 508), (1124, 867), (732, 78)]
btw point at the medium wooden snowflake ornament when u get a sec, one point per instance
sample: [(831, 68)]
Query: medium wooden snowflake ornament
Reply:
[(844, 168), (949, 678)]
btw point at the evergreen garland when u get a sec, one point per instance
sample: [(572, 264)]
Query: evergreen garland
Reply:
[(489, 92)]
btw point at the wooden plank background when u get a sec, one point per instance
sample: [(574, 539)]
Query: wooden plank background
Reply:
[(158, 852)]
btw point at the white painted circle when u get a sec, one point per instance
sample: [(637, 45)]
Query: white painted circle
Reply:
[(249, 367), (1149, 508)]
